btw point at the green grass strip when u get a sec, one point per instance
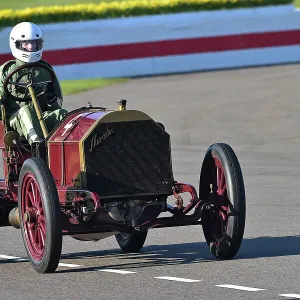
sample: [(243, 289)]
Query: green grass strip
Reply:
[(71, 87), (104, 10)]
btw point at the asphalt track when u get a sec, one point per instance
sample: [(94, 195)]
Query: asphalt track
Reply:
[(256, 111)]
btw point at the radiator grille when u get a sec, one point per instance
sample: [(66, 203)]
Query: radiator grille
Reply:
[(128, 158)]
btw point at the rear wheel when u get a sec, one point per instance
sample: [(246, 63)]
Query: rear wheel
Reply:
[(222, 186), (39, 210), (131, 243)]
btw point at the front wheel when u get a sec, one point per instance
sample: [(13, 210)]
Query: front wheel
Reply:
[(39, 210), (222, 187)]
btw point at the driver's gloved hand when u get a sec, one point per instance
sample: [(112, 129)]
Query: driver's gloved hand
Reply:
[(50, 94)]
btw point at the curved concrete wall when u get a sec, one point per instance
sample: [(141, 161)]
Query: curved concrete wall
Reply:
[(172, 43)]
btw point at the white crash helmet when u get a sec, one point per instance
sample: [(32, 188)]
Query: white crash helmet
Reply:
[(23, 34)]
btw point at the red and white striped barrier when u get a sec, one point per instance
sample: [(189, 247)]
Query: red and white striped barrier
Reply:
[(172, 43)]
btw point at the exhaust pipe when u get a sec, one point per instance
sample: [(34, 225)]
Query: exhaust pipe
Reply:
[(14, 218)]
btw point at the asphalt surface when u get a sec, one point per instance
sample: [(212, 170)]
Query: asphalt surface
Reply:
[(256, 111)]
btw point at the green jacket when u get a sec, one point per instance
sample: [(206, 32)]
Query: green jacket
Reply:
[(11, 106)]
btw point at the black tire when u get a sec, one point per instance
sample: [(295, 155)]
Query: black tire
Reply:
[(223, 227), (44, 223), (131, 243)]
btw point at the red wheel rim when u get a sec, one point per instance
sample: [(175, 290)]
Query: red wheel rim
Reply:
[(33, 217), (220, 216)]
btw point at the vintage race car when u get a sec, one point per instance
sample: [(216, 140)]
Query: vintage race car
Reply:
[(104, 172)]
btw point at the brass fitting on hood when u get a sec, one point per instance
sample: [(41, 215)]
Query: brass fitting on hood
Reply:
[(122, 104)]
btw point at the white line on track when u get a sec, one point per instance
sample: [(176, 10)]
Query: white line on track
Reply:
[(239, 287), (69, 265), (15, 258), (229, 286), (116, 271), (177, 279)]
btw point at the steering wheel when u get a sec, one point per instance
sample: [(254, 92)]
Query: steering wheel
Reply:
[(31, 80)]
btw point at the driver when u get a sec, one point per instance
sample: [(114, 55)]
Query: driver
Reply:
[(26, 44)]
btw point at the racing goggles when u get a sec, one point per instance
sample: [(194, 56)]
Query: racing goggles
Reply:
[(30, 45)]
